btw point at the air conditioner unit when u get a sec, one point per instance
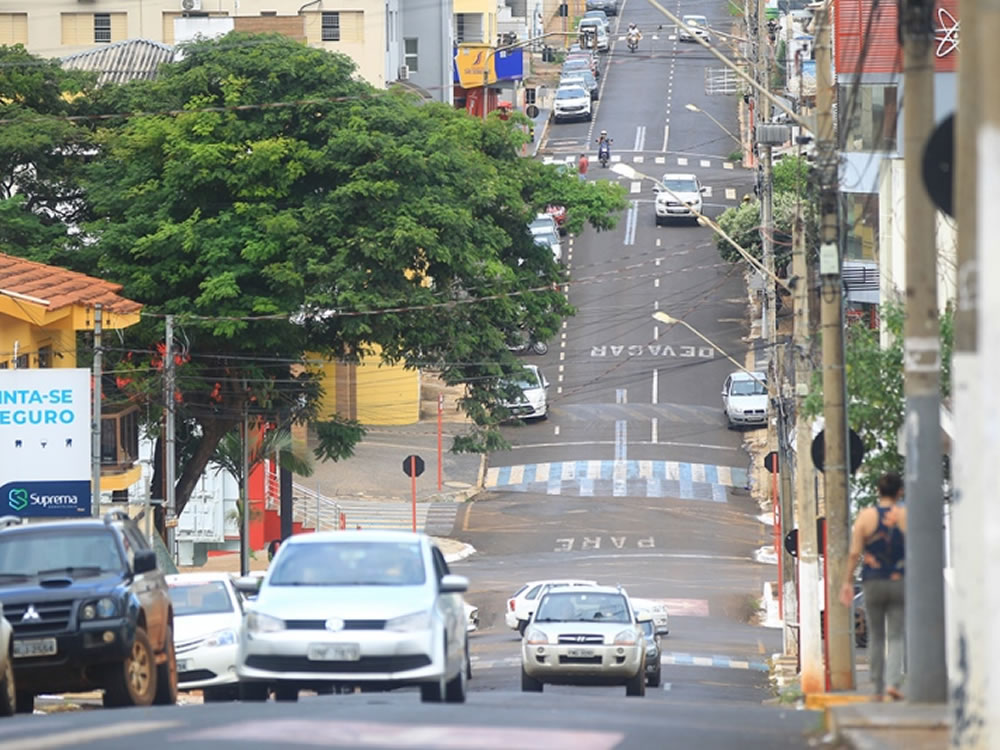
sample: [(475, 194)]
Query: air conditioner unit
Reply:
[(190, 4), (404, 73)]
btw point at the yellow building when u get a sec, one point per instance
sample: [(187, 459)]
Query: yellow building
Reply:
[(42, 309), (371, 392)]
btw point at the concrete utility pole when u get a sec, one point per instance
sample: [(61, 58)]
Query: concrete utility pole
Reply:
[(988, 245), (245, 516), (968, 651), (839, 628), (927, 678), (95, 428), (810, 645), (169, 436)]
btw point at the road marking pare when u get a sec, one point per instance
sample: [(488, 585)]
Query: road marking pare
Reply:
[(568, 544)]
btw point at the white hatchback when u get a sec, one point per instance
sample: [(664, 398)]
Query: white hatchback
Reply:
[(744, 399), (533, 401), (208, 615), (521, 606)]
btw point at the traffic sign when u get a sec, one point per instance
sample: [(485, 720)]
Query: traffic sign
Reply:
[(938, 165), (413, 466), (531, 111), (771, 462), (792, 539), (856, 450)]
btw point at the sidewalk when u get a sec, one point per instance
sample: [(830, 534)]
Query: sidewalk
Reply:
[(890, 726)]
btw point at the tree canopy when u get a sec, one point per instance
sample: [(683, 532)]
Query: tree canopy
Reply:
[(276, 205)]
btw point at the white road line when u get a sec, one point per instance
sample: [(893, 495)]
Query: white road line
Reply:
[(616, 157), (658, 240), (660, 159), (666, 137), (656, 336), (621, 439), (658, 260), (705, 163), (682, 161), (656, 390), (621, 395), (727, 165), (638, 159), (635, 187), (655, 424), (556, 430), (591, 443), (562, 356), (656, 283)]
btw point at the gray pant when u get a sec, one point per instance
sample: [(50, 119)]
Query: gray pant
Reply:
[(884, 609)]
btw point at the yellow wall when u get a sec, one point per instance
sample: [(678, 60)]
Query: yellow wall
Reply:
[(372, 392), (58, 334), (487, 9)]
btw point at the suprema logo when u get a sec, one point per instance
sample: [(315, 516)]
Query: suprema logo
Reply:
[(19, 499)]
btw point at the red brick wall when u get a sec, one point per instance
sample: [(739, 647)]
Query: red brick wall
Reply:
[(290, 26)]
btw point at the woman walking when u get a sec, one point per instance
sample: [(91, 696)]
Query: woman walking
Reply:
[(878, 538)]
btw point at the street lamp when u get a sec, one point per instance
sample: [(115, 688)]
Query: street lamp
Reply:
[(727, 131), (629, 172), (671, 320)]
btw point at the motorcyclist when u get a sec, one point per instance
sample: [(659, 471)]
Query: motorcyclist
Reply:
[(633, 32), (604, 147)]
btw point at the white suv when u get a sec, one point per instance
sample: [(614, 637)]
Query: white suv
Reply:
[(521, 606), (572, 103), (681, 199)]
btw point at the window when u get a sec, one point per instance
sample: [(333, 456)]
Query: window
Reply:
[(13, 28), (530, 95), (21, 362), (469, 27), (868, 117), (861, 223), (45, 356), (410, 56), (102, 27), (331, 26), (4, 365)]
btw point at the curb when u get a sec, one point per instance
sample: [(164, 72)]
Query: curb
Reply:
[(540, 137), (467, 551)]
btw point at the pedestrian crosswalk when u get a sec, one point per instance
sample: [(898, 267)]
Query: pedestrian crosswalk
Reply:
[(626, 478), (432, 518)]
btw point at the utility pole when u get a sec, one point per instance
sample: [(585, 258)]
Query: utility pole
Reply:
[(245, 470), (169, 436), (810, 646), (286, 509), (839, 626), (927, 678), (968, 633), (95, 427)]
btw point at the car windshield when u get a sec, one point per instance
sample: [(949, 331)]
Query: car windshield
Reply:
[(747, 388), (571, 606), (202, 598), (70, 552), (349, 564), (527, 379), (542, 224), (695, 20), (681, 186), (571, 92)]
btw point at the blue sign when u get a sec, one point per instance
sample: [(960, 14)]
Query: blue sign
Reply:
[(509, 64), (45, 499)]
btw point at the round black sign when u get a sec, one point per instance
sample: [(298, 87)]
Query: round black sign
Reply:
[(531, 111), (939, 163), (792, 539), (413, 466), (856, 449), (771, 462)]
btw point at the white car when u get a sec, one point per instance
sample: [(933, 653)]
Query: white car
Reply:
[(744, 398), (208, 616), (585, 635), (678, 196), (533, 401), (521, 606), (693, 26), (377, 609), (658, 611), (471, 617), (8, 692), (572, 103), (545, 231)]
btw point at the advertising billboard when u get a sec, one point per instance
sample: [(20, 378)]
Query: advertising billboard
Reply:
[(45, 442)]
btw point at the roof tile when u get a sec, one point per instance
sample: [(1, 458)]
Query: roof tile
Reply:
[(57, 287)]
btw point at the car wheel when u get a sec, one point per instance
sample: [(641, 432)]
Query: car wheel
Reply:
[(455, 691), (252, 692), (468, 665), (636, 686), (25, 702), (653, 680), (166, 675), (433, 692), (220, 694), (529, 684), (133, 681), (286, 693), (8, 692)]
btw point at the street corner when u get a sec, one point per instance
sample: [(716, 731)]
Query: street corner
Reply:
[(454, 550)]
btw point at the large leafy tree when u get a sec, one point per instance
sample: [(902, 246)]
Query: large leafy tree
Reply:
[(290, 208)]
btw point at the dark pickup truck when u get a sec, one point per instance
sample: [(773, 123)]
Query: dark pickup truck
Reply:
[(89, 610)]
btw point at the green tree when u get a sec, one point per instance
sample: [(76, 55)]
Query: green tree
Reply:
[(349, 220), (875, 402)]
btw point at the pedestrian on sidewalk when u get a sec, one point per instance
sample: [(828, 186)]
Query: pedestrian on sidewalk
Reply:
[(582, 166), (878, 538)]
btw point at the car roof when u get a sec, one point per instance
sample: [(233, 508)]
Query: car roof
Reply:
[(592, 589), (206, 577), (694, 17), (369, 535), (75, 523), (680, 176), (740, 375), (570, 86), (550, 581)]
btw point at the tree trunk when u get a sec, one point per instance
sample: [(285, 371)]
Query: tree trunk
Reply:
[(212, 432)]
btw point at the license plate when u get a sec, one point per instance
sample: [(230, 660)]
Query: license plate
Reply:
[(334, 652), (580, 652), (34, 647), (183, 665)]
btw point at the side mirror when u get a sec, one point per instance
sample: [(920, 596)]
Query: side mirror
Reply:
[(703, 190), (248, 585), (545, 382), (657, 189), (452, 584), (145, 561)]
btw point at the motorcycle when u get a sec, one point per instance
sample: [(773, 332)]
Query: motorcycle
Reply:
[(604, 153), (633, 42), (527, 343)]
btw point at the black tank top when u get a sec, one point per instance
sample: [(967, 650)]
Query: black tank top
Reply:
[(884, 557)]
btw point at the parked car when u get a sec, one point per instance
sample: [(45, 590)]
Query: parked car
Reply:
[(585, 635), (581, 62), (471, 617), (521, 606), (594, 35), (654, 669), (208, 616), (89, 610), (693, 26), (744, 398), (377, 609), (572, 103), (533, 401), (658, 611), (581, 77), (682, 194), (8, 686), (545, 230), (558, 213), (610, 7), (600, 14)]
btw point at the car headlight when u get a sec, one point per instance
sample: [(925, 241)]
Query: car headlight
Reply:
[(221, 638), (102, 608), (407, 623), (258, 622), (535, 637), (626, 638), (650, 650)]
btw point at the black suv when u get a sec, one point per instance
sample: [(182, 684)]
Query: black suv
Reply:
[(89, 610)]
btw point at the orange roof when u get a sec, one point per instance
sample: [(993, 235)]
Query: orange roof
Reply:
[(56, 287)]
